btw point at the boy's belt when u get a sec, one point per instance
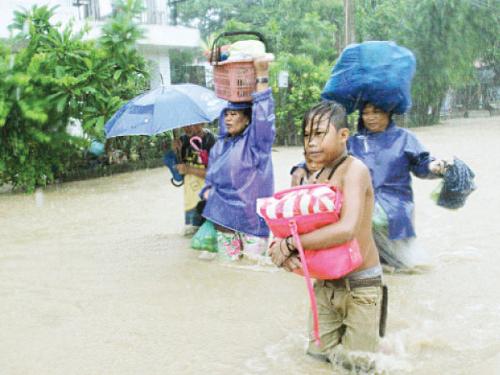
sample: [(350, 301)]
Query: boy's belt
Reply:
[(363, 283), (353, 283)]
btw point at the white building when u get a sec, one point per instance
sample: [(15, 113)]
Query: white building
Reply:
[(159, 37)]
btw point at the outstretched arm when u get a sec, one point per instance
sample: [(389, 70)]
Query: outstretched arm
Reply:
[(422, 164), (263, 118)]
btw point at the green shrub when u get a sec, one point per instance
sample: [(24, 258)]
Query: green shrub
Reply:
[(55, 76)]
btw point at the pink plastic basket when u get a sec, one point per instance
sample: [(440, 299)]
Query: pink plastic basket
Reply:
[(234, 80)]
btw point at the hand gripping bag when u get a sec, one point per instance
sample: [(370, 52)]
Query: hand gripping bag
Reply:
[(379, 72), (303, 209)]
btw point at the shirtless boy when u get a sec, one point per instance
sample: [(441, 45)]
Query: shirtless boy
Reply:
[(349, 308)]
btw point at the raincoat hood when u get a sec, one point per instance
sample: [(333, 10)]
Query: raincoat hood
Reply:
[(238, 106)]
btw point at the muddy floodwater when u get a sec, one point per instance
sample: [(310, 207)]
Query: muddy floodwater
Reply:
[(96, 278)]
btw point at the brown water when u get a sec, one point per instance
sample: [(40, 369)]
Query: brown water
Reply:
[(95, 279)]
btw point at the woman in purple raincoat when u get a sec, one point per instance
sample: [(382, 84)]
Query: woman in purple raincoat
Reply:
[(392, 154), (240, 171)]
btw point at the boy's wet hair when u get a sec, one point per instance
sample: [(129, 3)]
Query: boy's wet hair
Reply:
[(329, 109)]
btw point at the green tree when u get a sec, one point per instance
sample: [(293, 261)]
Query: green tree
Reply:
[(57, 76), (306, 82), (34, 145), (447, 37), (441, 56), (115, 71), (290, 26), (303, 35)]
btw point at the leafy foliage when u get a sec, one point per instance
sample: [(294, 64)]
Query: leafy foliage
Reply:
[(447, 37), (303, 35), (116, 71), (306, 79), (57, 76), (50, 76), (290, 26), (34, 145)]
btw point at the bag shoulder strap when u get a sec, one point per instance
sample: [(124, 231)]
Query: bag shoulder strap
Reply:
[(307, 276), (336, 166)]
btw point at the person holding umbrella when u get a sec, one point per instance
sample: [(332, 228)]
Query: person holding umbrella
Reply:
[(193, 148), (240, 171), (167, 108)]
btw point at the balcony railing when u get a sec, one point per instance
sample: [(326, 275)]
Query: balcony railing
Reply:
[(90, 9)]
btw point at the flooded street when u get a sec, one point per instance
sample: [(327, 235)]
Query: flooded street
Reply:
[(95, 278)]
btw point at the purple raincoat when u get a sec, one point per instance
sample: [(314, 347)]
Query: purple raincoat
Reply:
[(391, 155), (240, 170)]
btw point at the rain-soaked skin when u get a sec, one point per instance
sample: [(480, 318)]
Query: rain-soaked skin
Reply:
[(95, 279)]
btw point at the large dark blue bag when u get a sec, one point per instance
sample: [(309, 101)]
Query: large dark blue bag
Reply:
[(378, 72)]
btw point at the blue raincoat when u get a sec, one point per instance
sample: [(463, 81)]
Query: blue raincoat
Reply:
[(391, 155), (240, 170)]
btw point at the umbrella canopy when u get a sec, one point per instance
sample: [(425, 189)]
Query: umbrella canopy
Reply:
[(165, 108)]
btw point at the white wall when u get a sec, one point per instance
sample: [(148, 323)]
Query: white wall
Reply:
[(160, 65)]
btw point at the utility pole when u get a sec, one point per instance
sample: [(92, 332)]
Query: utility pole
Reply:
[(349, 29)]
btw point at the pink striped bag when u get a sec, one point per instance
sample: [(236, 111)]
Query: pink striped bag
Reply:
[(311, 207), (303, 209)]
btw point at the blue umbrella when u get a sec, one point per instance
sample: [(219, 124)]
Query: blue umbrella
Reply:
[(165, 108)]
